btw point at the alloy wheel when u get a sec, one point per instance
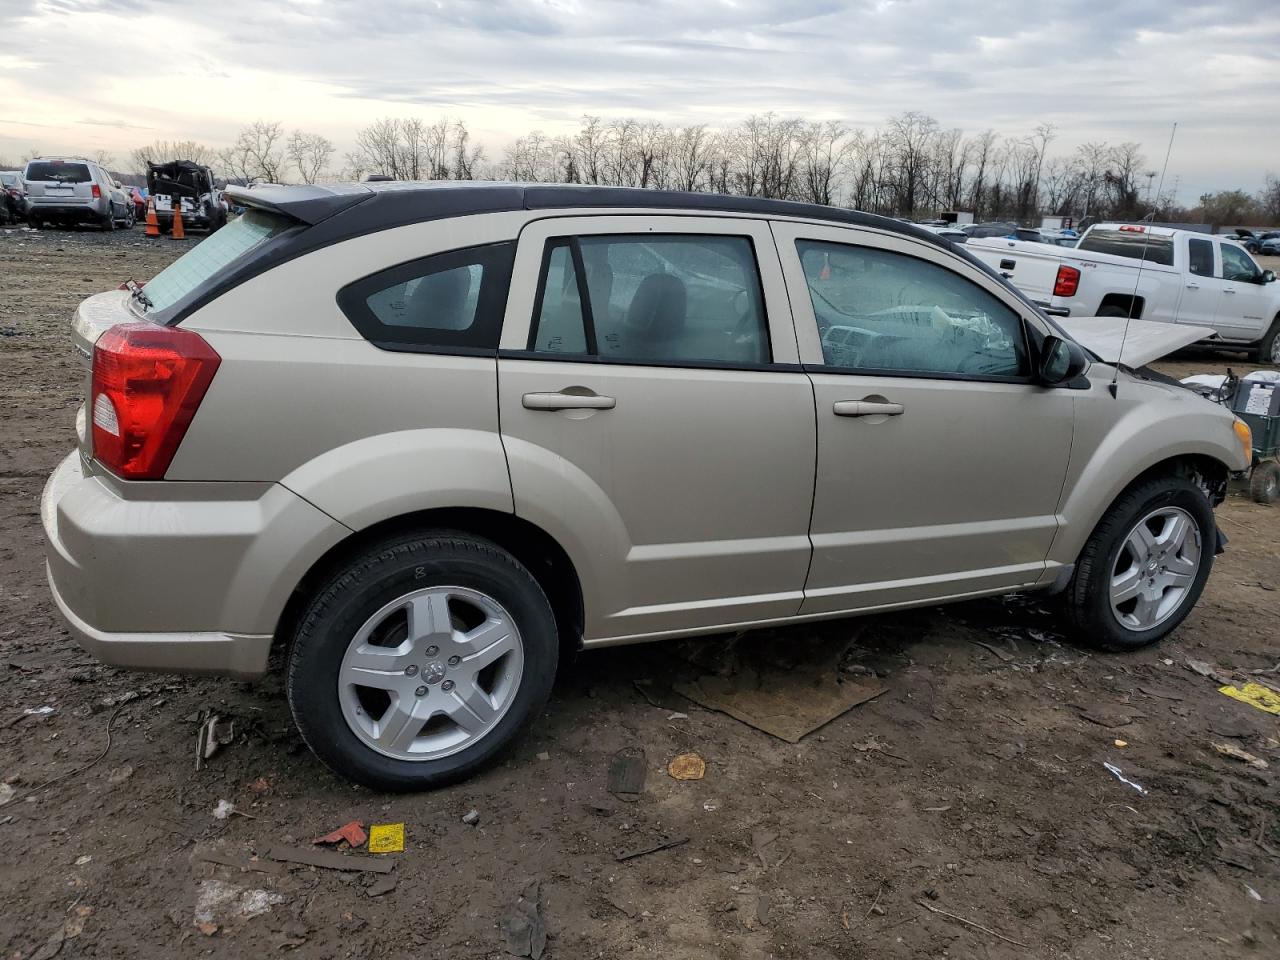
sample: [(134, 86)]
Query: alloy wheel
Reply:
[(1155, 568), (431, 673)]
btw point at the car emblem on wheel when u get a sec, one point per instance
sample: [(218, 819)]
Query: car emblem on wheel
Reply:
[(433, 672)]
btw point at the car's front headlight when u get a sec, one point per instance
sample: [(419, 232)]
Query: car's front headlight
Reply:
[(1245, 436)]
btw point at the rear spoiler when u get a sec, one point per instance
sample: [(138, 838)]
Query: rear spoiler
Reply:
[(309, 204)]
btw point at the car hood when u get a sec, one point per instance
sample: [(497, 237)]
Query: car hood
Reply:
[(1146, 340)]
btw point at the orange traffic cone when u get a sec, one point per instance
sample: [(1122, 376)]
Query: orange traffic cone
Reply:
[(153, 225), (178, 232)]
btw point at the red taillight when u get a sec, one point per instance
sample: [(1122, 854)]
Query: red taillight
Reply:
[(148, 381), (97, 192), (1132, 228), (1067, 283)]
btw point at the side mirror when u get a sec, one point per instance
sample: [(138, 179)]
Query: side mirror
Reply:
[(1268, 276), (1061, 361), (116, 184)]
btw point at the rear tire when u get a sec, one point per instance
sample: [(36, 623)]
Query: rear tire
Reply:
[(436, 625), (1264, 482), (1117, 562), (1267, 350), (109, 221)]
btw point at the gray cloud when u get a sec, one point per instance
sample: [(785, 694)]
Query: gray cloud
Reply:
[(1117, 71)]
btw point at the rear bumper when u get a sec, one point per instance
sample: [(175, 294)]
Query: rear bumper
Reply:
[(188, 578), (66, 208)]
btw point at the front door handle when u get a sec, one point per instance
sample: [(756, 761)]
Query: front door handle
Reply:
[(1230, 290), (567, 401), (867, 408), (1193, 286)]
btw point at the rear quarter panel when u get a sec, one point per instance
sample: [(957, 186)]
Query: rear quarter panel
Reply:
[(363, 433)]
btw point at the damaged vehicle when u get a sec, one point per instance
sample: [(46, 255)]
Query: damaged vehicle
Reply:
[(191, 187), (423, 438)]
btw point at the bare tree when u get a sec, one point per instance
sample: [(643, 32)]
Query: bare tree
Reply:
[(104, 158), (165, 151), (309, 153), (257, 153)]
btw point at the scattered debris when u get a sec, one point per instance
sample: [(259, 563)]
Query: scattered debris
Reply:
[(763, 906), (687, 766), (121, 700), (1161, 694), (382, 886), (1121, 743), (710, 806), (331, 859), (678, 716), (261, 785), (1231, 750), (1206, 669), (120, 774), (7, 793), (223, 810), (219, 902), (942, 809), (50, 948), (1253, 894), (1004, 655), (386, 838), (242, 863), (83, 860), (970, 923), (471, 817), (626, 774), (1116, 772), (352, 832), (544, 755), (214, 734), (761, 840), (524, 930), (1255, 695), (1106, 715), (664, 844), (37, 711)]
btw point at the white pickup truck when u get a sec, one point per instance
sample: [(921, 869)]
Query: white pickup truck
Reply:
[(1186, 277)]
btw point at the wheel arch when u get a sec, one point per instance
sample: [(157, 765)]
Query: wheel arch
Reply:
[(1203, 469), (537, 550)]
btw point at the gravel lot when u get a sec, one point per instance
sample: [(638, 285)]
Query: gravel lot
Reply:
[(973, 788)]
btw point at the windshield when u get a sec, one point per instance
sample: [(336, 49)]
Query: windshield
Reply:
[(1130, 243), (58, 172), (212, 255)]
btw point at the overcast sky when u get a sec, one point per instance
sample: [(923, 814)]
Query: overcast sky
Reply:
[(79, 75)]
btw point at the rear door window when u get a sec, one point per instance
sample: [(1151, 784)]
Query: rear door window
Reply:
[(652, 298), (56, 171), (1201, 257)]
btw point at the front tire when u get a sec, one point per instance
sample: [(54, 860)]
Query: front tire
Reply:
[(1144, 566), (421, 660)]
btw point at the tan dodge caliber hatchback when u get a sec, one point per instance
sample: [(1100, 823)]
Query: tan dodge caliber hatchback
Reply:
[(425, 436)]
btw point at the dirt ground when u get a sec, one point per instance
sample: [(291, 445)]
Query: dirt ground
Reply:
[(973, 788)]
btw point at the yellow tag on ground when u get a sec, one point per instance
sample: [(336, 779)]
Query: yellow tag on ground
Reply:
[(386, 838), (1255, 695)]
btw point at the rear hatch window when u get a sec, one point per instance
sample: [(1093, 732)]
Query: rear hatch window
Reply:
[(211, 255), (1132, 244), (55, 171)]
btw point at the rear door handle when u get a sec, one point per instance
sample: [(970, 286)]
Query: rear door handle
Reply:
[(867, 408), (1193, 286), (567, 401), (1230, 290)]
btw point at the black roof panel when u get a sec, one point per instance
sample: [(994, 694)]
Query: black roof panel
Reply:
[(366, 207)]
